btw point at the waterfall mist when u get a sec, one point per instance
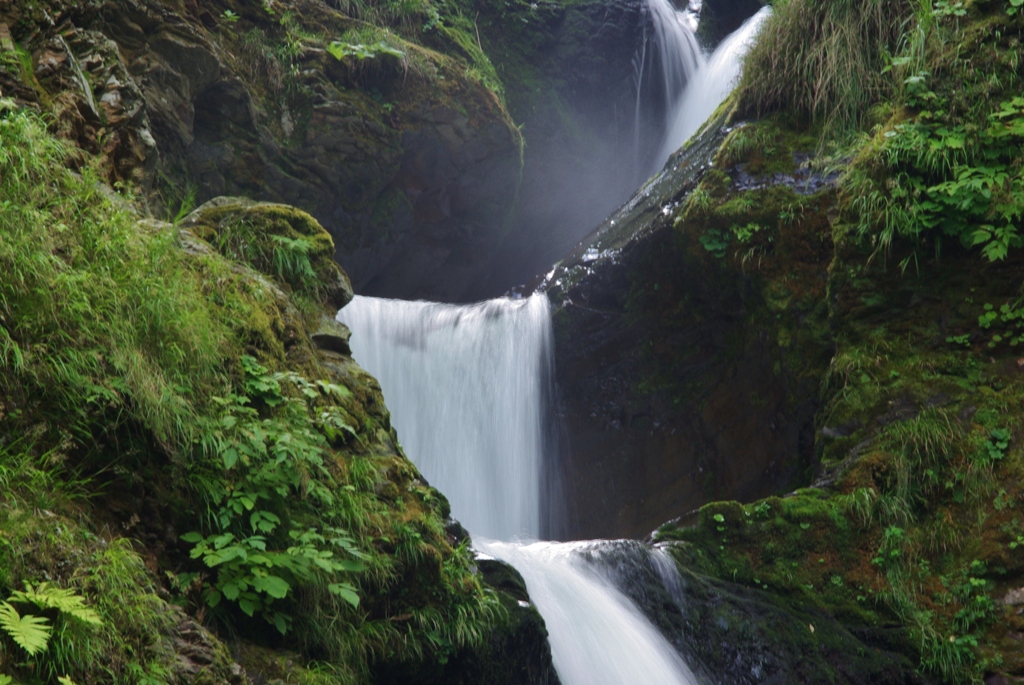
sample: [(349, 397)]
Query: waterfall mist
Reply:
[(596, 138)]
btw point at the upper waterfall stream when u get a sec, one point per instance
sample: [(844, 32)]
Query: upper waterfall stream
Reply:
[(709, 85)]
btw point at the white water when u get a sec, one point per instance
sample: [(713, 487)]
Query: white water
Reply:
[(465, 385), (598, 637), (710, 85), (672, 50)]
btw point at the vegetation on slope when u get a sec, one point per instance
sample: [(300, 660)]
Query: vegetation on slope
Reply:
[(170, 436), (915, 520)]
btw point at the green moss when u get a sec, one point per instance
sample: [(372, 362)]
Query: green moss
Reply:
[(278, 240), (765, 147)]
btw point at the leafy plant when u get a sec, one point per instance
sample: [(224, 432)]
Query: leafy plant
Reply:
[(715, 241), (745, 233), (267, 456), (951, 179), (995, 446), (32, 632)]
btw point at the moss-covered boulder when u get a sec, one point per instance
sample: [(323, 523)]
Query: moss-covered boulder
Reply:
[(278, 240), (200, 484)]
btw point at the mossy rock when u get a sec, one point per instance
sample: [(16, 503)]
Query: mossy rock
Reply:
[(279, 240)]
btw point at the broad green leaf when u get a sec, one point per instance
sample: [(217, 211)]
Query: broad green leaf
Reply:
[(247, 606), (274, 586), (346, 591), (351, 565), (230, 590), (281, 622)]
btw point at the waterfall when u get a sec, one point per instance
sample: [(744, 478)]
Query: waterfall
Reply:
[(663, 65), (709, 85), (598, 637), (466, 386)]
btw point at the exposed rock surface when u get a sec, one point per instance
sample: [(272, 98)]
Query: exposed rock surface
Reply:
[(570, 79), (675, 370), (719, 18)]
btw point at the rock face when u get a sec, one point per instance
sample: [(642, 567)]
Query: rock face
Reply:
[(409, 165), (568, 69), (719, 18), (572, 72), (676, 367)]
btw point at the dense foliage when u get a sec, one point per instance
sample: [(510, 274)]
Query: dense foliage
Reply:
[(141, 369)]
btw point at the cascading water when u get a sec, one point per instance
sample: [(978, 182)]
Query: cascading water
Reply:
[(598, 637), (663, 65), (709, 85), (466, 388)]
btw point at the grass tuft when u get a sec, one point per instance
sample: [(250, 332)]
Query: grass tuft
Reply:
[(823, 59)]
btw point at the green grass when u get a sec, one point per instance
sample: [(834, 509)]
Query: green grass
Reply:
[(96, 314), (823, 60)]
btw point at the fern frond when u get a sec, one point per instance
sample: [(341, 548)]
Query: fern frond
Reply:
[(46, 596), (31, 632)]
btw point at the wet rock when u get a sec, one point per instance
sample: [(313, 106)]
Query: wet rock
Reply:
[(202, 658), (685, 376), (1014, 597), (719, 18)]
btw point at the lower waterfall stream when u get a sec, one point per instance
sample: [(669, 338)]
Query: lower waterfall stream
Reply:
[(466, 389)]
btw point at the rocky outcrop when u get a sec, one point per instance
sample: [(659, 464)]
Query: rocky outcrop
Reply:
[(516, 653), (688, 374), (409, 165)]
